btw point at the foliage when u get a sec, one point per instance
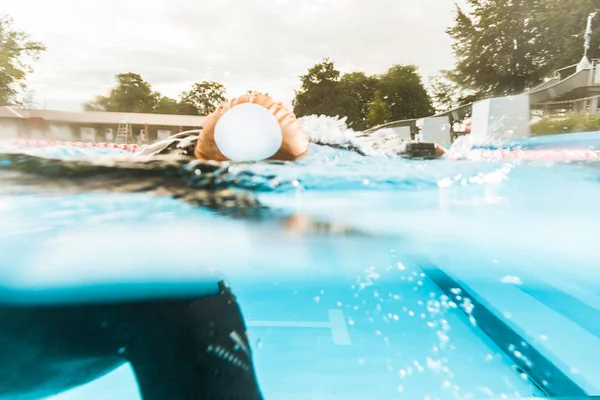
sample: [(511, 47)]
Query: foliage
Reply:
[(17, 51), (325, 91), (166, 105), (378, 111), (504, 47), (446, 95), (404, 93), (359, 90), (497, 46), (569, 123), (205, 97), (443, 93), (132, 94), (562, 25), (321, 92)]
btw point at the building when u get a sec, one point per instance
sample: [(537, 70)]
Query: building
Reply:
[(91, 126)]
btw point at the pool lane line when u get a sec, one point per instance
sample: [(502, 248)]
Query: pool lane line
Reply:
[(569, 299), (574, 290), (532, 362), (337, 324), (568, 305)]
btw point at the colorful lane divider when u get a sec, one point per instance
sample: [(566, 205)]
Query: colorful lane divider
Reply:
[(555, 155), (558, 155), (133, 148)]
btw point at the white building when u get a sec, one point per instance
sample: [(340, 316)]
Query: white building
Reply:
[(90, 126)]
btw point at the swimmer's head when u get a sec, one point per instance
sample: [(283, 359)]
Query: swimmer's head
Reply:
[(251, 128)]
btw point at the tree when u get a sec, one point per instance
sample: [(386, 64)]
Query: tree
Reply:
[(447, 95), (358, 90), (100, 103), (564, 45), (205, 97), (325, 92), (165, 105), (132, 94), (443, 93), (378, 112), (321, 92), (184, 108), (403, 91), (499, 46), (17, 50), (504, 47)]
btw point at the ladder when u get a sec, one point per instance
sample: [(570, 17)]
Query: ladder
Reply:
[(124, 132)]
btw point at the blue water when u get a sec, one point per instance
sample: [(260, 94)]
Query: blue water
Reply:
[(348, 317)]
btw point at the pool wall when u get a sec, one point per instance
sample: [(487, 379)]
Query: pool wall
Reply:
[(558, 355)]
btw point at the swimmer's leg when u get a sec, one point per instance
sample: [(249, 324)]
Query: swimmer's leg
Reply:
[(191, 350)]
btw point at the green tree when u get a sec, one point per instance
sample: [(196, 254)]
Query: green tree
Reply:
[(165, 105), (443, 93), (321, 92), (562, 26), (132, 94), (17, 50), (404, 93), (358, 90), (100, 103), (499, 46), (504, 47), (204, 97), (325, 92), (447, 95), (378, 111), (184, 108)]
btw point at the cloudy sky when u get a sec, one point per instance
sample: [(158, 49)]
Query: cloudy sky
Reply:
[(261, 45)]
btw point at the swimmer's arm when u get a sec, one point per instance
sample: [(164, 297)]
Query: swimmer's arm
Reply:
[(440, 151)]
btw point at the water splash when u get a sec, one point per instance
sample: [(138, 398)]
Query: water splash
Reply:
[(333, 131)]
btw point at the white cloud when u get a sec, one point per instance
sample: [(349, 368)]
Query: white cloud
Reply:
[(244, 44)]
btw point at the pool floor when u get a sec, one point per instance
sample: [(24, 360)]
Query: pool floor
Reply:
[(394, 336)]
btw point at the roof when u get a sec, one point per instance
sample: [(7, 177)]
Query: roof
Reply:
[(102, 117)]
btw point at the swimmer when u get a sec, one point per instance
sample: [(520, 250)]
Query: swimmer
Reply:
[(293, 142), (179, 349)]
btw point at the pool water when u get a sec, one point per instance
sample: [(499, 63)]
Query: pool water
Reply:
[(464, 280)]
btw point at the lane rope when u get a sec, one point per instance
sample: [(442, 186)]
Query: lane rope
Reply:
[(132, 148), (484, 155)]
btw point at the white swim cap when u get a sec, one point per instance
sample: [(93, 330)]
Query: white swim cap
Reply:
[(248, 132)]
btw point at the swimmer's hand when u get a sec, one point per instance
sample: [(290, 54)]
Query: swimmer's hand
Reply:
[(294, 144), (439, 151)]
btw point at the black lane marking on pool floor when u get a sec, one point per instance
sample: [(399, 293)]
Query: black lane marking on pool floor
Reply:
[(537, 367)]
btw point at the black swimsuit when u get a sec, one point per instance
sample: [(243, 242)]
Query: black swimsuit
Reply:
[(190, 349)]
